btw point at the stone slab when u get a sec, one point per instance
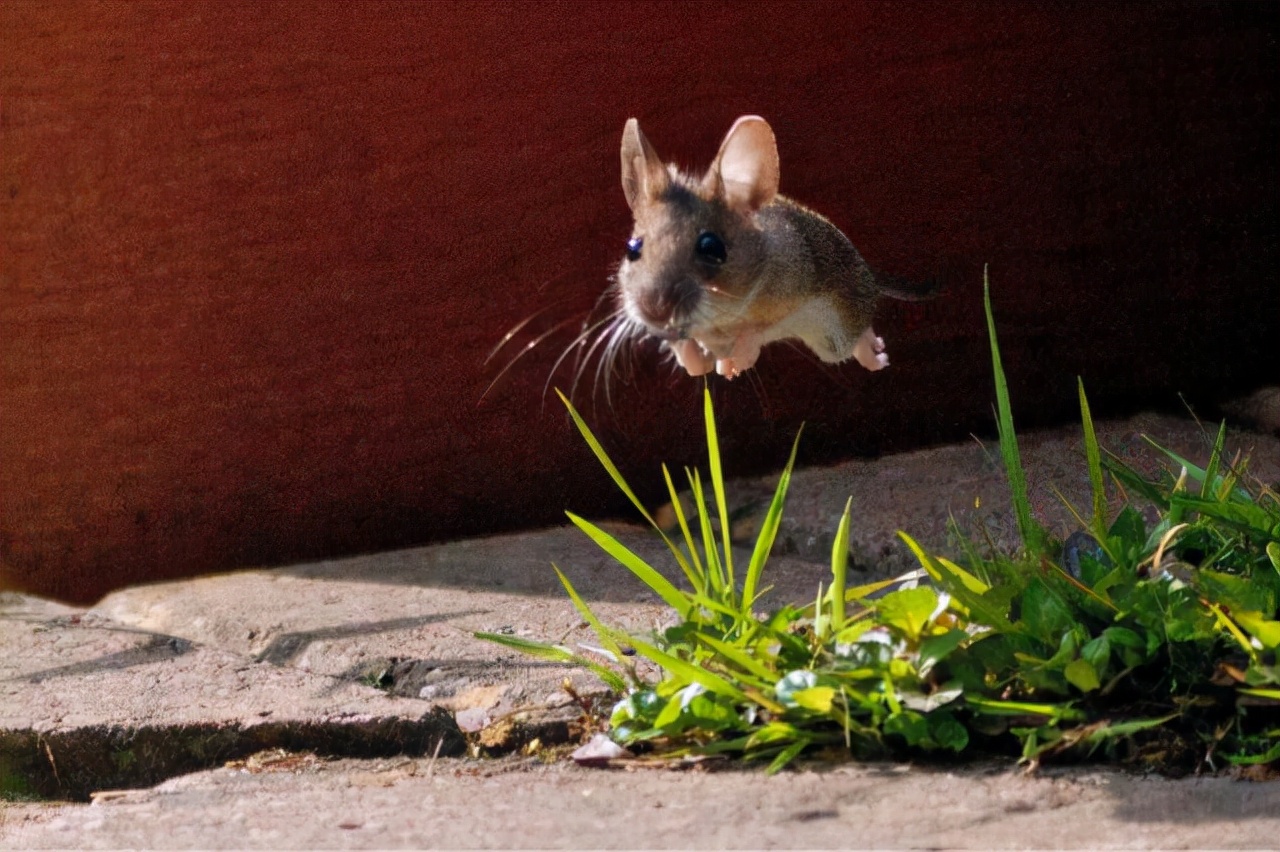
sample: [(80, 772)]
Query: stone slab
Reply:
[(375, 655), (461, 804)]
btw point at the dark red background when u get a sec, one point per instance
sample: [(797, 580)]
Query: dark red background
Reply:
[(254, 255)]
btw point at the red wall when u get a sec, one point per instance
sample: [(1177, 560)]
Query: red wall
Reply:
[(254, 255)]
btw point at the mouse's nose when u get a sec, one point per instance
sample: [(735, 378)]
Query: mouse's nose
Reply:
[(668, 305)]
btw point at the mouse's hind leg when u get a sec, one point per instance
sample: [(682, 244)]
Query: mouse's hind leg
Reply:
[(869, 350), (746, 349)]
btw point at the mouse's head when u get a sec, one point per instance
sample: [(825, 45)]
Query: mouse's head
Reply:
[(695, 247)]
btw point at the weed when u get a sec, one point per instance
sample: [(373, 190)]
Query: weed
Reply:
[(1150, 643)]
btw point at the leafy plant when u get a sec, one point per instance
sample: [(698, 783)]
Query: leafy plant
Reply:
[(1149, 642)]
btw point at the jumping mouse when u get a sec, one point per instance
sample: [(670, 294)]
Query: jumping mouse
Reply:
[(719, 266)]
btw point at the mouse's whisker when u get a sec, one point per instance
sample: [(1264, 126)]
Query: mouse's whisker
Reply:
[(518, 327), (524, 350), (609, 324), (576, 346), (621, 332)]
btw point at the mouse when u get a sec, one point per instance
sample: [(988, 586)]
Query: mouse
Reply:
[(721, 265)]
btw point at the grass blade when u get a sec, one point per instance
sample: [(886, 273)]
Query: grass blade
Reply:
[(715, 569), (764, 676), (711, 681), (768, 533), (616, 475), (996, 707), (1198, 474), (717, 482), (604, 633), (1093, 457), (604, 459), (697, 576), (965, 589), (1031, 537), (785, 756), (664, 588), (840, 568), (556, 654), (1207, 487)]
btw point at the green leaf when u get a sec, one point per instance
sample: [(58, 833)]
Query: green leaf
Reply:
[(720, 585), (768, 532), (909, 725), (717, 481), (603, 457), (1269, 756), (1132, 648), (1129, 528), (618, 479), (1097, 652), (1261, 628), (908, 610), (1082, 675), (1234, 591), (1131, 480), (606, 635), (948, 733), (820, 699), (984, 607), (643, 705), (1195, 471), (940, 568), (794, 682), (1215, 457), (697, 576), (740, 658), (663, 587), (772, 733), (936, 648), (1056, 712), (1045, 613), (1117, 730), (839, 568), (711, 714), (556, 654), (688, 671), (1032, 538), (787, 755), (1247, 517), (668, 718), (1093, 458)]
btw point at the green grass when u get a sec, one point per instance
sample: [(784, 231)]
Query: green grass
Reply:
[(1147, 643)]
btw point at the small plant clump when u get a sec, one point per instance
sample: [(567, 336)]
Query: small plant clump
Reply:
[(1153, 644)]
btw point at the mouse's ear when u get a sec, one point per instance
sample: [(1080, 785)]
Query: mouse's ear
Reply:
[(644, 176), (746, 169)]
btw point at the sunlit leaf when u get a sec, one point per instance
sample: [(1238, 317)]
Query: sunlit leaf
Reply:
[(663, 587), (1082, 675), (819, 699), (908, 610)]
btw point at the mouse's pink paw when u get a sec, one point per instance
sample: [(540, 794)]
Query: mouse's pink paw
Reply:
[(729, 368), (869, 350), (746, 349), (690, 355)]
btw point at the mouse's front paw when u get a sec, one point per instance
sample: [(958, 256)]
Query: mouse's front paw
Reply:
[(869, 350), (690, 355)]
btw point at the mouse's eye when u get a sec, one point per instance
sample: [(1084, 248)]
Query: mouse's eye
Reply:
[(633, 248), (710, 249)]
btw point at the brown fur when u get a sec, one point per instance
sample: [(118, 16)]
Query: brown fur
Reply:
[(787, 272)]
